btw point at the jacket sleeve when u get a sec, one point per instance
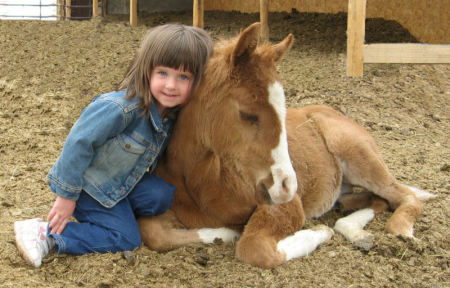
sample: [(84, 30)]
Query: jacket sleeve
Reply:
[(98, 122)]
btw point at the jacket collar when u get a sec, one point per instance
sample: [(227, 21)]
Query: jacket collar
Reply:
[(155, 118)]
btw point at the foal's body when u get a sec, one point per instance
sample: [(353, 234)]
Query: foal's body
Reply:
[(231, 164)]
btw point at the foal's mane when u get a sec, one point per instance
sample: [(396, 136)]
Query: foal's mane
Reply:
[(226, 69)]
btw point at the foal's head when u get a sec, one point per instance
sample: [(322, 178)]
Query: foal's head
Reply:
[(245, 122)]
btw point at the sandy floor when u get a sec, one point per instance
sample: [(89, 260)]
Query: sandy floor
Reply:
[(49, 71)]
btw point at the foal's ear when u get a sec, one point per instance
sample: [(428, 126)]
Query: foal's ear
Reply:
[(281, 48), (247, 42)]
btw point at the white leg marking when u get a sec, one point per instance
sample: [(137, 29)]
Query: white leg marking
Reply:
[(304, 242), (208, 235), (284, 177), (351, 227), (422, 195)]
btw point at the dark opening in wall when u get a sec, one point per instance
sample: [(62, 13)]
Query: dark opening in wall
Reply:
[(81, 9)]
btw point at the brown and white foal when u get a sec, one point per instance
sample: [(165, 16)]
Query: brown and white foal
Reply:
[(245, 167)]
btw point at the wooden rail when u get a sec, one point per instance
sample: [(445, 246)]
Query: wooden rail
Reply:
[(407, 53)]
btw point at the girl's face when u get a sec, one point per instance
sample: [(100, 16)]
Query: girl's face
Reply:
[(170, 87)]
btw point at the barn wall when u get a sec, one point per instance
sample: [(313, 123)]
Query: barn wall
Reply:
[(427, 20), (123, 6)]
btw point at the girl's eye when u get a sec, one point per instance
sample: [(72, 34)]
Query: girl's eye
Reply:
[(184, 77), (162, 73)]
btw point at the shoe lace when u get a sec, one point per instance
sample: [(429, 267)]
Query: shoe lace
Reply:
[(43, 241)]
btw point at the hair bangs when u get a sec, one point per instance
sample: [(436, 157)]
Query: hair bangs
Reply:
[(179, 55)]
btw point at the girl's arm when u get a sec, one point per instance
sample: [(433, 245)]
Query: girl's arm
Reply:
[(98, 122)]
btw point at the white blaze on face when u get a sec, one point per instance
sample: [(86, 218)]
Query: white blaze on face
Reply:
[(284, 177)]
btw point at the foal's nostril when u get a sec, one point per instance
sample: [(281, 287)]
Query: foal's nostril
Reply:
[(284, 180), (285, 183), (289, 187)]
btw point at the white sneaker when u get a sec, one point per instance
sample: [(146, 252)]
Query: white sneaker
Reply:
[(32, 240)]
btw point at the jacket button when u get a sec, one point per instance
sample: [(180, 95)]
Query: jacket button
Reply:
[(149, 159), (136, 176), (107, 203), (127, 146), (122, 191)]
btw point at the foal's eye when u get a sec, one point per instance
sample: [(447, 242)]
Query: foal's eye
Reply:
[(253, 119)]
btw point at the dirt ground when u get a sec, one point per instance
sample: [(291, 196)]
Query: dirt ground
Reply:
[(49, 71)]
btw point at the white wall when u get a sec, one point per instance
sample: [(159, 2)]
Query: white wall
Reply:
[(47, 9), (28, 9)]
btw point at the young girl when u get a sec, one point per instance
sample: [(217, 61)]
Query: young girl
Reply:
[(103, 175)]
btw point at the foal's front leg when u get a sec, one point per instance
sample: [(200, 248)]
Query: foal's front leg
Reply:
[(272, 237), (164, 232)]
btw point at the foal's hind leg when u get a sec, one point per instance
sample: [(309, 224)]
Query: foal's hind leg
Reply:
[(365, 167), (362, 200), (351, 226)]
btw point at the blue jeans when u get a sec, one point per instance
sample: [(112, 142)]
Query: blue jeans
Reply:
[(114, 229)]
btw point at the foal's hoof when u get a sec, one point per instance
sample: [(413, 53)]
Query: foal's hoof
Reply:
[(399, 227), (364, 240), (327, 231), (216, 235)]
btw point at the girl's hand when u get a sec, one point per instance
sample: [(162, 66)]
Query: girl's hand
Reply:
[(60, 214)]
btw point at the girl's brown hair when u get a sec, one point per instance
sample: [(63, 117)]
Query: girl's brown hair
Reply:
[(171, 45)]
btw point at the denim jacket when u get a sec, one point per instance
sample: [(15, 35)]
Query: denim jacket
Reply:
[(109, 149)]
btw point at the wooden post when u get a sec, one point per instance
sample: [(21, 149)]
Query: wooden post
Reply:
[(68, 9), (104, 7), (94, 8), (263, 16), (133, 12), (355, 37), (198, 14), (60, 10)]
